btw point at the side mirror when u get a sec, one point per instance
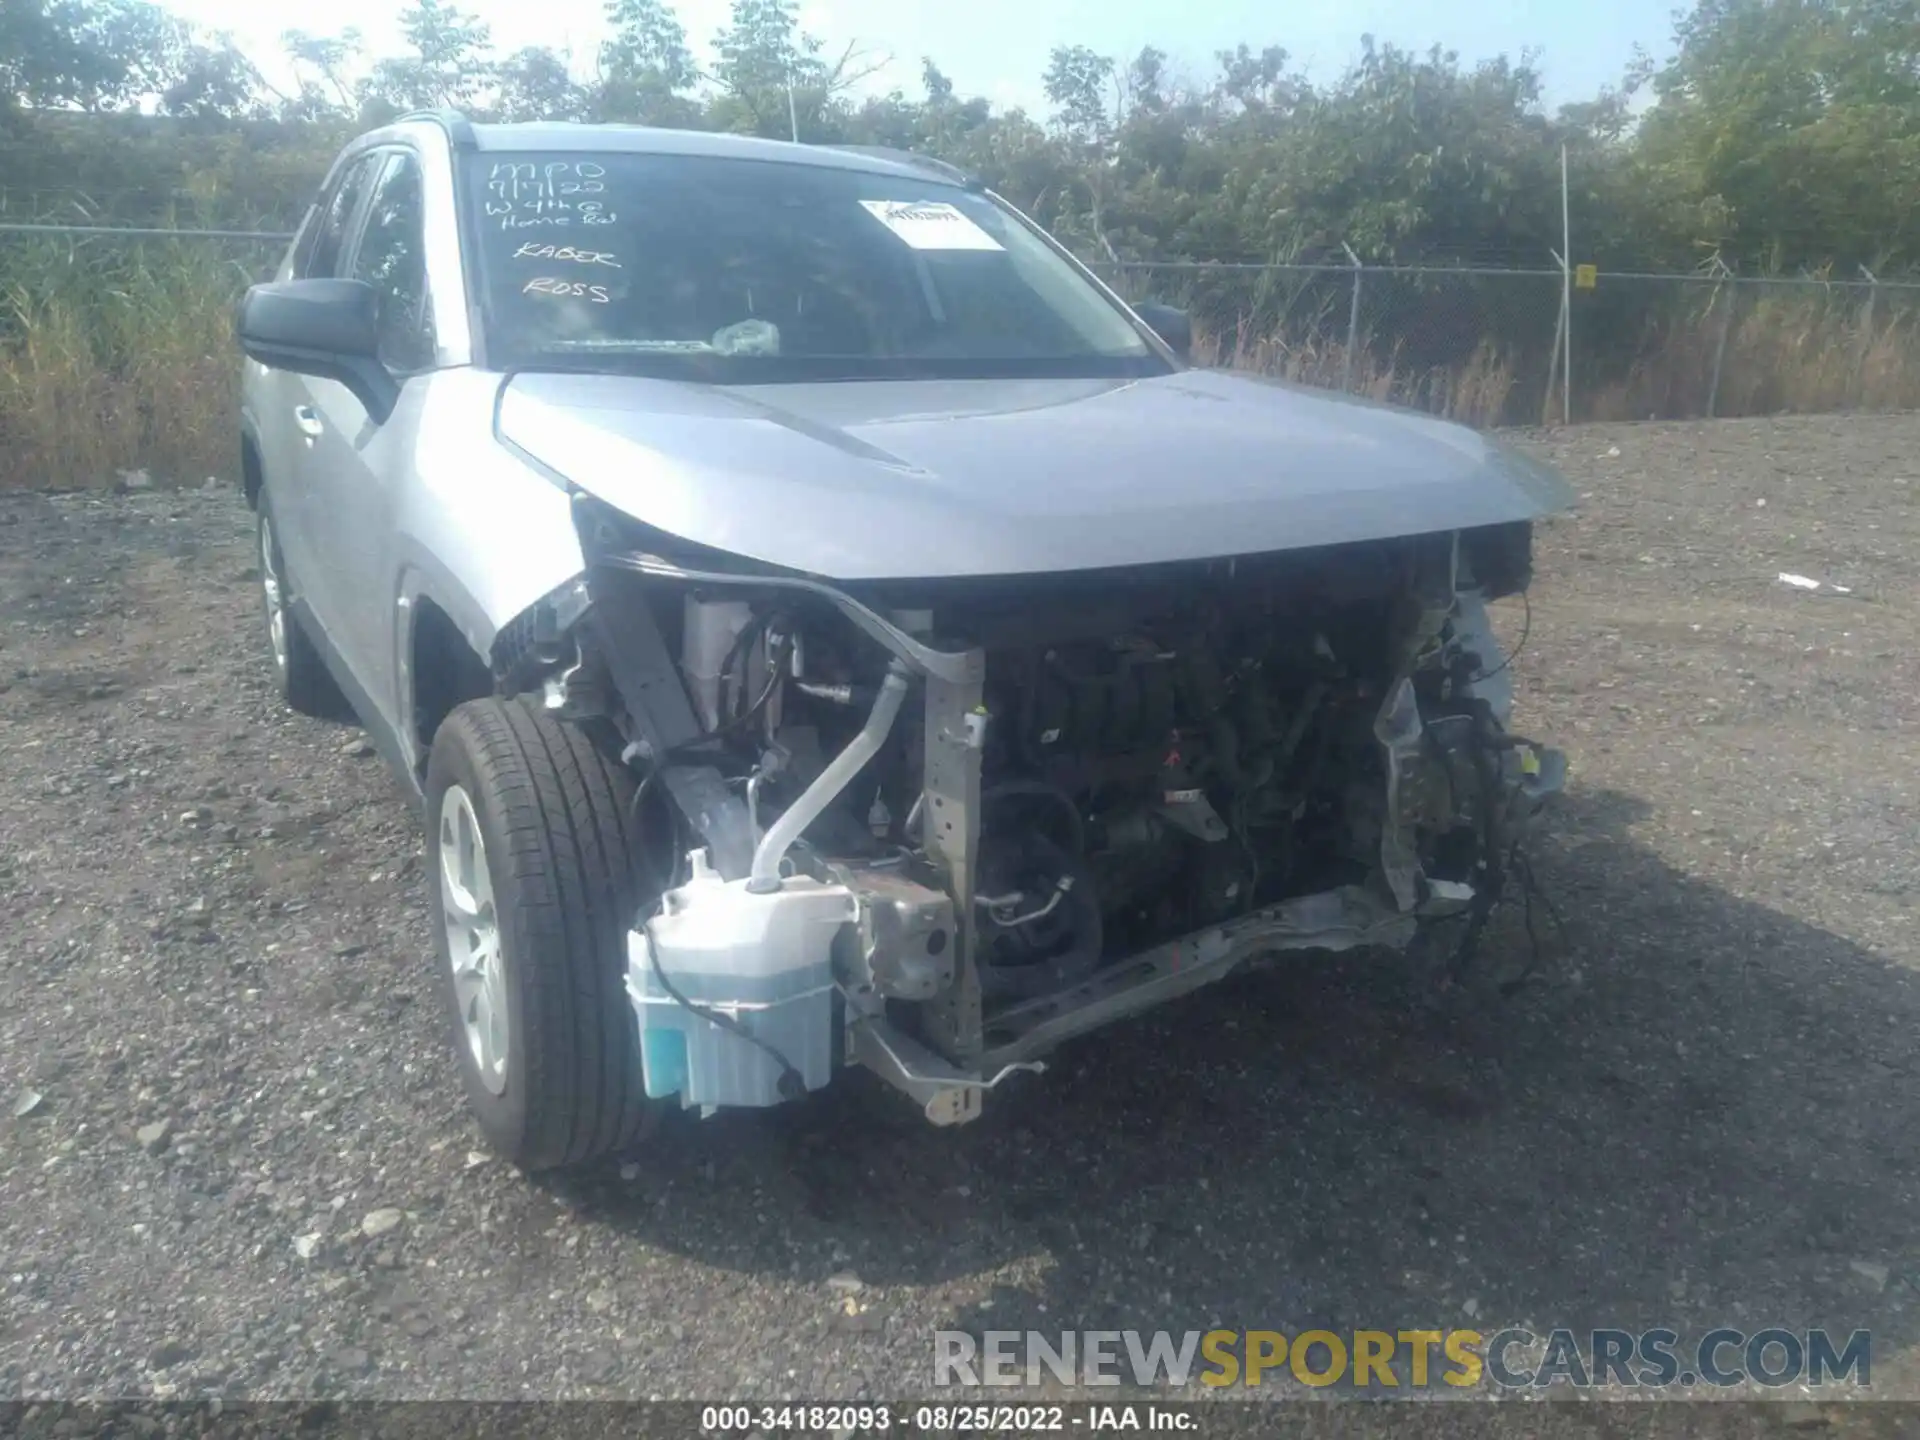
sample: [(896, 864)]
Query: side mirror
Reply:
[(1170, 325), (326, 328)]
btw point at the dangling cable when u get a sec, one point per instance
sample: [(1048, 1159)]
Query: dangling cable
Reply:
[(1526, 629)]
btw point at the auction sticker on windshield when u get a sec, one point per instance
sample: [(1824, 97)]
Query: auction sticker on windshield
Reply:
[(930, 225)]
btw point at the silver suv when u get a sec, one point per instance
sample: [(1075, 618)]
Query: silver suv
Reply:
[(822, 625)]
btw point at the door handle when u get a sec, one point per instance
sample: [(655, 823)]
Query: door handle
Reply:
[(308, 419)]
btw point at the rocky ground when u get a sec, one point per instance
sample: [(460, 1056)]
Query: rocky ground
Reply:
[(234, 1159)]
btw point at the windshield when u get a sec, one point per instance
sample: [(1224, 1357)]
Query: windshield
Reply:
[(735, 271)]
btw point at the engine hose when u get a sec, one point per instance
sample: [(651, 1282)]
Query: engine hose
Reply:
[(826, 787)]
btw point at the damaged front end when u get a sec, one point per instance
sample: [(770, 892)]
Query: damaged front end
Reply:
[(937, 828)]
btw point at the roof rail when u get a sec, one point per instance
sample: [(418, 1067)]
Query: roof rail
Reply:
[(916, 161), (459, 129)]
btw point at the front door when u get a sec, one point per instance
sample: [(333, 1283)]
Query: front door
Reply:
[(359, 467), (296, 444)]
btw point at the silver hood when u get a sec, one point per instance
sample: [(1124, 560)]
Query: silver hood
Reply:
[(869, 480)]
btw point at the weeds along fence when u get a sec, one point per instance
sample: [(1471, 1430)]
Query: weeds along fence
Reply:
[(1486, 347), (117, 353), (116, 348), (1470, 345)]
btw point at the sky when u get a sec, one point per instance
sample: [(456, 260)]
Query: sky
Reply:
[(998, 48)]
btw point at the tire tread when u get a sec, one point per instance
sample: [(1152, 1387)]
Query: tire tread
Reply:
[(559, 804)]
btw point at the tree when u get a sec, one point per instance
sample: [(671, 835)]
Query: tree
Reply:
[(86, 54), (1407, 156), (215, 80), (946, 124), (1146, 83), (1798, 123), (535, 83), (764, 61), (775, 79), (1783, 133), (449, 66), (1258, 84), (1077, 83), (934, 80), (647, 57), (323, 66)]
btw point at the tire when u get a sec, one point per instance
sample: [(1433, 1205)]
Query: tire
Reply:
[(306, 684), (559, 1082)]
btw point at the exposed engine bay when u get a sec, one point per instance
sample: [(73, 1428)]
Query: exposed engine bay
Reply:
[(935, 828)]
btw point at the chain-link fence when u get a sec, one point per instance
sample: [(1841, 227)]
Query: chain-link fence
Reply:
[(1473, 345), (1648, 346), (1488, 346), (163, 204)]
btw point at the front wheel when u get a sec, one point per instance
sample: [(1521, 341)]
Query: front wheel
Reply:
[(535, 890)]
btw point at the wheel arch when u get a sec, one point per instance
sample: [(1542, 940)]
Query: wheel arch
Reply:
[(442, 670)]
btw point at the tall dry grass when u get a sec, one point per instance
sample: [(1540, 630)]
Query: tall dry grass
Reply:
[(1788, 350), (1479, 390), (116, 357), (1479, 351)]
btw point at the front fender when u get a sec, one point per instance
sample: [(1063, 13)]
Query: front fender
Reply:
[(476, 517), (479, 533)]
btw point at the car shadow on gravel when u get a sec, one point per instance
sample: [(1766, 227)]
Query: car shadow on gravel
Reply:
[(1701, 1112)]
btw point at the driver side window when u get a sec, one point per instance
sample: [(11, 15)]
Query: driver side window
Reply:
[(391, 257), (325, 244)]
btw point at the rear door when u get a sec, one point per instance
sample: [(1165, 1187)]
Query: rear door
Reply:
[(359, 468)]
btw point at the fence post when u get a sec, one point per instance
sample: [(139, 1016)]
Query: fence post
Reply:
[(1566, 291), (1727, 282), (1353, 322), (1866, 340), (1559, 334)]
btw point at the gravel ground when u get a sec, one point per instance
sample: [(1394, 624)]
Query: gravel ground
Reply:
[(248, 1170)]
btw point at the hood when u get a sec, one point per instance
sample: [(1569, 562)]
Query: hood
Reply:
[(866, 480)]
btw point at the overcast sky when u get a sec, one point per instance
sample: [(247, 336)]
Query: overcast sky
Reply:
[(998, 48)]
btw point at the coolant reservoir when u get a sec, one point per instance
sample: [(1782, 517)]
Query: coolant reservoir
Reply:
[(763, 960)]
